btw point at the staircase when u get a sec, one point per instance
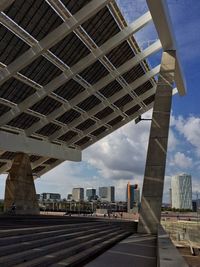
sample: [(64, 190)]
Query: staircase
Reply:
[(64, 244)]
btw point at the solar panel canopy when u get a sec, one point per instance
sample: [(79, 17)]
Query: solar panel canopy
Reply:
[(71, 72)]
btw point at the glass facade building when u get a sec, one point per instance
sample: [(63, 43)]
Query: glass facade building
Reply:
[(181, 191)]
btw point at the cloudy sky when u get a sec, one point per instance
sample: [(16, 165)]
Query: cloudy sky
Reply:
[(120, 157)]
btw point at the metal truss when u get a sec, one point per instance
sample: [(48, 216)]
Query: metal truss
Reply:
[(71, 72), (52, 146)]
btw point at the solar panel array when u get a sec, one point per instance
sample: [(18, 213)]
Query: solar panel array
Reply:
[(52, 96)]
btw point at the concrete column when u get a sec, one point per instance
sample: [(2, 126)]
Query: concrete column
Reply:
[(20, 188), (152, 193)]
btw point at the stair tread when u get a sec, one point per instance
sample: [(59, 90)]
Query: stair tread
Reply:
[(24, 231), (4, 250), (82, 256), (18, 257), (45, 234), (47, 259)]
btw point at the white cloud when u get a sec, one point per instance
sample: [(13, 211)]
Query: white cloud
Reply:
[(122, 154), (180, 160), (190, 129)]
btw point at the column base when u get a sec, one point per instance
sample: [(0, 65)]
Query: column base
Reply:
[(20, 189)]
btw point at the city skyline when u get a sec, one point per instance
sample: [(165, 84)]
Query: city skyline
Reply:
[(134, 186)]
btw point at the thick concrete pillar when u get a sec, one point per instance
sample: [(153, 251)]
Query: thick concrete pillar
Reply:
[(20, 188), (152, 193)]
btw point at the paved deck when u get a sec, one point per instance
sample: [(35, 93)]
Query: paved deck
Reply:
[(136, 250)]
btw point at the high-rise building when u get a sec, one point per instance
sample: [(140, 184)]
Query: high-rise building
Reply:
[(107, 193), (181, 186), (132, 196), (78, 194), (90, 193)]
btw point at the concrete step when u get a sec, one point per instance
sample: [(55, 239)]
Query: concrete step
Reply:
[(22, 246), (34, 230), (56, 248), (90, 253), (49, 259), (34, 236)]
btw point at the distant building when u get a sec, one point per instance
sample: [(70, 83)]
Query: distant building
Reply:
[(69, 197), (91, 194), (50, 196), (107, 193), (196, 205), (78, 194), (132, 196), (181, 191)]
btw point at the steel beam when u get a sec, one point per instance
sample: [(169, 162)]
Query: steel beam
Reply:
[(161, 18), (112, 116), (100, 84), (52, 38), (82, 64), (16, 143), (111, 100), (121, 123), (116, 126)]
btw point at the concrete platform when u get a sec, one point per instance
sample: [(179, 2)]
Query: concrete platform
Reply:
[(136, 250)]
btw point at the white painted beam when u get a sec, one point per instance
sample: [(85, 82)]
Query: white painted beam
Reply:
[(147, 76), (161, 18), (128, 106), (117, 126), (17, 30), (100, 84), (82, 64), (112, 116), (21, 143), (52, 38), (122, 123)]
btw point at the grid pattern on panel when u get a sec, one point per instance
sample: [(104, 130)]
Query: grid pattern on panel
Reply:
[(69, 90), (15, 91), (11, 46), (57, 93), (36, 17)]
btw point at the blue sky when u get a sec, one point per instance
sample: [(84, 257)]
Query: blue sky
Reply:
[(120, 157)]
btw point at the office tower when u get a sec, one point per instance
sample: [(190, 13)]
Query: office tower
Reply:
[(78, 194), (107, 193), (90, 194), (181, 186), (132, 196)]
